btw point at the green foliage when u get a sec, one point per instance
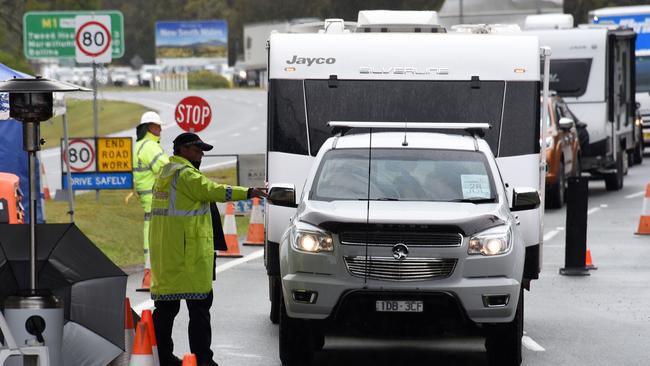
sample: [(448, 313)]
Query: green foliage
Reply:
[(15, 62), (206, 80)]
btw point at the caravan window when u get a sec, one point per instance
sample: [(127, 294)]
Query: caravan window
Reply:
[(299, 110), (569, 78)]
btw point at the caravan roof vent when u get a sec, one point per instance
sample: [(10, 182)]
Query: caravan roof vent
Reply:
[(486, 28), (549, 21), (398, 21), (334, 25)]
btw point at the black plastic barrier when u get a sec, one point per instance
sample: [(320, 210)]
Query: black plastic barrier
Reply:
[(576, 227)]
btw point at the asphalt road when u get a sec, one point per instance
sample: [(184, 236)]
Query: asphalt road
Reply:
[(238, 124), (602, 319)]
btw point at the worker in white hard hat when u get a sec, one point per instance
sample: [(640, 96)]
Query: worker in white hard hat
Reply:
[(148, 160)]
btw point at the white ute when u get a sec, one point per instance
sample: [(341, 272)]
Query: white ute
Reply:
[(391, 201)]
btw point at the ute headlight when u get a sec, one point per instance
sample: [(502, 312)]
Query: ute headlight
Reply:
[(549, 141), (494, 241), (311, 239)]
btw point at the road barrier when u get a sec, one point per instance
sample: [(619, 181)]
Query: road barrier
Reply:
[(142, 354), (230, 234), (256, 225), (576, 228), (644, 221), (169, 82)]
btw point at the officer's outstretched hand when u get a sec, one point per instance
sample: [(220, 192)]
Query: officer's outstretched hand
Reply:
[(257, 192)]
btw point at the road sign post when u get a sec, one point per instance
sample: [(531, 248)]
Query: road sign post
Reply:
[(93, 45), (193, 114)]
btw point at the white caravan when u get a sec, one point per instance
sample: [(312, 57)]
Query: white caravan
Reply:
[(416, 74), (636, 17), (592, 68)]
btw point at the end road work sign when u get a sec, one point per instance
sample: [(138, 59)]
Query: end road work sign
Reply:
[(51, 34), (101, 163)]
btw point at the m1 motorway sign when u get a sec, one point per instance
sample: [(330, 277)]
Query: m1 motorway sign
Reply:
[(193, 114), (51, 34), (93, 39), (101, 163)]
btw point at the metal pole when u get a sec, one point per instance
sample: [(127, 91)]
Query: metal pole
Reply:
[(460, 11), (31, 144), (67, 165), (95, 119)]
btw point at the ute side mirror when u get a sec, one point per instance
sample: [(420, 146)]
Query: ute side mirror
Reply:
[(566, 123), (524, 198), (283, 194)]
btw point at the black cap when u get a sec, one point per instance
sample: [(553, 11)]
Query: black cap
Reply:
[(188, 138)]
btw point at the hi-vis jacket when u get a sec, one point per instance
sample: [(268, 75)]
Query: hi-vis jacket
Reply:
[(181, 235), (148, 160)]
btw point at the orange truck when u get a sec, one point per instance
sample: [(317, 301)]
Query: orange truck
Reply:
[(11, 210)]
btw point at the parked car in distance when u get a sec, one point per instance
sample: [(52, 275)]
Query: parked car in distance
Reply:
[(562, 151)]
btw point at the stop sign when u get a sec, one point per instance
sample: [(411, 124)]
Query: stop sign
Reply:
[(193, 114)]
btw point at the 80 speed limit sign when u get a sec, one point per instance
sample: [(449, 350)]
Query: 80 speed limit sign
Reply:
[(81, 154), (93, 39)]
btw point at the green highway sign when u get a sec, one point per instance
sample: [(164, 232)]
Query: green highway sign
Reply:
[(51, 34)]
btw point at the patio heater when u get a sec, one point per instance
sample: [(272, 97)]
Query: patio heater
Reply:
[(35, 313)]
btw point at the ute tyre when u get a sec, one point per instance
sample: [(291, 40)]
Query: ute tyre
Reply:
[(296, 340), (275, 293), (503, 341), (557, 190), (614, 181)]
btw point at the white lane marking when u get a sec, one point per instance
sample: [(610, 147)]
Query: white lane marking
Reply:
[(550, 235), (238, 261), (254, 128), (531, 344), (236, 134), (560, 228), (634, 195), (148, 304)]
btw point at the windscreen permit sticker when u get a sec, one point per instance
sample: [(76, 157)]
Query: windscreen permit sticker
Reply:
[(475, 186)]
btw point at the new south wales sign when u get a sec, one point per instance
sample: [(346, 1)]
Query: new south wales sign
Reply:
[(51, 34)]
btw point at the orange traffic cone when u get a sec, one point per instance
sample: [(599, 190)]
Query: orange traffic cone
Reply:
[(148, 320), (189, 359), (230, 233), (589, 264), (644, 222), (146, 277), (46, 187), (256, 226), (141, 354)]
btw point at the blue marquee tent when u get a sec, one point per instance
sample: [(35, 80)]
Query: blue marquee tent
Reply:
[(13, 159)]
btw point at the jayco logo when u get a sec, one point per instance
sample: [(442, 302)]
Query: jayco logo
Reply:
[(310, 60)]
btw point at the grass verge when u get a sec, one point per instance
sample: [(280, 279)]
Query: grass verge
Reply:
[(116, 226), (113, 117)]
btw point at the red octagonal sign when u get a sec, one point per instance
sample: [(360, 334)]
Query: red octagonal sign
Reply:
[(193, 114)]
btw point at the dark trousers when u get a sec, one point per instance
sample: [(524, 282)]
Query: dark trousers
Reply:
[(200, 332)]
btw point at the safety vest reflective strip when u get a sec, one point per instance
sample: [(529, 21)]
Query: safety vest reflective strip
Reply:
[(172, 211)]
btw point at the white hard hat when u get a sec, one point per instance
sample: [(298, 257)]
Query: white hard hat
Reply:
[(150, 117)]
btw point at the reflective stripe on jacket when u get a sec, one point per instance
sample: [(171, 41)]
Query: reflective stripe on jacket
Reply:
[(181, 237), (148, 160)]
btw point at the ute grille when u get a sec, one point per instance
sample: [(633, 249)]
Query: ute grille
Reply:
[(410, 269), (385, 238)]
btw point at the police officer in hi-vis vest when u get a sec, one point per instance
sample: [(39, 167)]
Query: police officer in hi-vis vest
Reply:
[(182, 246), (148, 160)]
